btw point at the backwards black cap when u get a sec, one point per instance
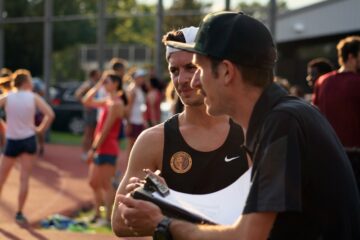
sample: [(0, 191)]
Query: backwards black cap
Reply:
[(235, 37)]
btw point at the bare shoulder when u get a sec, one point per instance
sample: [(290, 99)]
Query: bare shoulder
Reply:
[(116, 104), (150, 144), (38, 98), (152, 138), (147, 152), (156, 132)]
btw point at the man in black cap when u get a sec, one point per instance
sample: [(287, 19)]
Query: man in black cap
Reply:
[(302, 183)]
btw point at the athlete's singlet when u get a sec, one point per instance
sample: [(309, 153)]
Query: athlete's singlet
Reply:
[(188, 170)]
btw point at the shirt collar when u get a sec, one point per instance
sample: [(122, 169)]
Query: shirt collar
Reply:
[(269, 97)]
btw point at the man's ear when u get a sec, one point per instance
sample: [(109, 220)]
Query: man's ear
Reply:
[(229, 72), (350, 56)]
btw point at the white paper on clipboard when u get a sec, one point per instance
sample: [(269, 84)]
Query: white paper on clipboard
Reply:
[(222, 207)]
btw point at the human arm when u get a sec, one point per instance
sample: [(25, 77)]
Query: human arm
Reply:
[(2, 122), (143, 216), (45, 109), (131, 98), (144, 155), (2, 129), (80, 91), (3, 98), (89, 98)]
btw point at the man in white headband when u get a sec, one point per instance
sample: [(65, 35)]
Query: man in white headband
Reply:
[(188, 34), (191, 148)]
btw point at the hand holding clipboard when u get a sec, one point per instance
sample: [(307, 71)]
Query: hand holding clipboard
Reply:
[(154, 184)]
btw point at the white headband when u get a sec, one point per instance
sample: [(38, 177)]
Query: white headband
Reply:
[(189, 35)]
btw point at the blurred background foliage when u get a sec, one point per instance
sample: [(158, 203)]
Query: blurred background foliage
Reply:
[(24, 42)]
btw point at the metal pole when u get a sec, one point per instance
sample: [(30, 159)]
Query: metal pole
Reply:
[(48, 30), (159, 33), (227, 5), (101, 25), (272, 17), (2, 52)]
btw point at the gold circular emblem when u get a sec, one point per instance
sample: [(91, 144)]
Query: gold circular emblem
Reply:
[(181, 162)]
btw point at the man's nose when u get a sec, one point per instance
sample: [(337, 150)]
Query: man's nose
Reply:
[(184, 77), (195, 81)]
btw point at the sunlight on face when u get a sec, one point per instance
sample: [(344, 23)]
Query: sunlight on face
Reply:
[(182, 71)]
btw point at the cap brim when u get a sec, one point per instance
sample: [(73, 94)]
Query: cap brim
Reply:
[(189, 47)]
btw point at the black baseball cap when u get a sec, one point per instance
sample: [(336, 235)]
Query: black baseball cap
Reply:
[(235, 37)]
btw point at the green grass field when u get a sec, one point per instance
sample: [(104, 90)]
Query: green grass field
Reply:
[(67, 138)]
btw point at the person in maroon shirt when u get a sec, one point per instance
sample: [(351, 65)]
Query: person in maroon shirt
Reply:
[(337, 95)]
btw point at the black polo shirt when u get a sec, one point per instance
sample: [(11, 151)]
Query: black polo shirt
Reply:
[(300, 171)]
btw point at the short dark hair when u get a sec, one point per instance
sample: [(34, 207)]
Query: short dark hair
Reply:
[(174, 35), (21, 76), (323, 65), (117, 79), (346, 46), (117, 64), (258, 77), (93, 73), (156, 83)]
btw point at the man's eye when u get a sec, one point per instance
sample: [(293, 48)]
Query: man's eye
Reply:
[(174, 72), (191, 68)]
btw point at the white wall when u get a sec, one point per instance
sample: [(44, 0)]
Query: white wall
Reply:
[(323, 19)]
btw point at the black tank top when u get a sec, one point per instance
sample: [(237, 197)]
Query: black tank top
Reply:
[(188, 170)]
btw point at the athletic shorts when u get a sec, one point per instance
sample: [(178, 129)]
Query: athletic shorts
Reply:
[(136, 129), (14, 148), (101, 159), (90, 117)]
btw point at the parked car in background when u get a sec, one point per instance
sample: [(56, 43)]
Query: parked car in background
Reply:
[(68, 110)]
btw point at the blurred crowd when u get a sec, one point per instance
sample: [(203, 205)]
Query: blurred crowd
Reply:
[(141, 94)]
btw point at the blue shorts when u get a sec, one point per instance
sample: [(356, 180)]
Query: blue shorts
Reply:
[(14, 148), (105, 159)]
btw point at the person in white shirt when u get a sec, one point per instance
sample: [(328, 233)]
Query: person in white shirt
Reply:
[(20, 105)]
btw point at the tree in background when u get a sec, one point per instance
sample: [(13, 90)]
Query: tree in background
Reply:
[(261, 11), (130, 29), (176, 22), (24, 42)]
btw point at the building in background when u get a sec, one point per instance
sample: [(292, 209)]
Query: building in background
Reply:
[(311, 32)]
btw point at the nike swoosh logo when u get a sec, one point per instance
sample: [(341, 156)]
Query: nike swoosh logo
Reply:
[(230, 159)]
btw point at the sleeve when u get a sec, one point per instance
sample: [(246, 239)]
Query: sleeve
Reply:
[(276, 177)]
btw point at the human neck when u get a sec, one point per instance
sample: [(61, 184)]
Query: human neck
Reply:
[(347, 68), (198, 116), (243, 106)]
